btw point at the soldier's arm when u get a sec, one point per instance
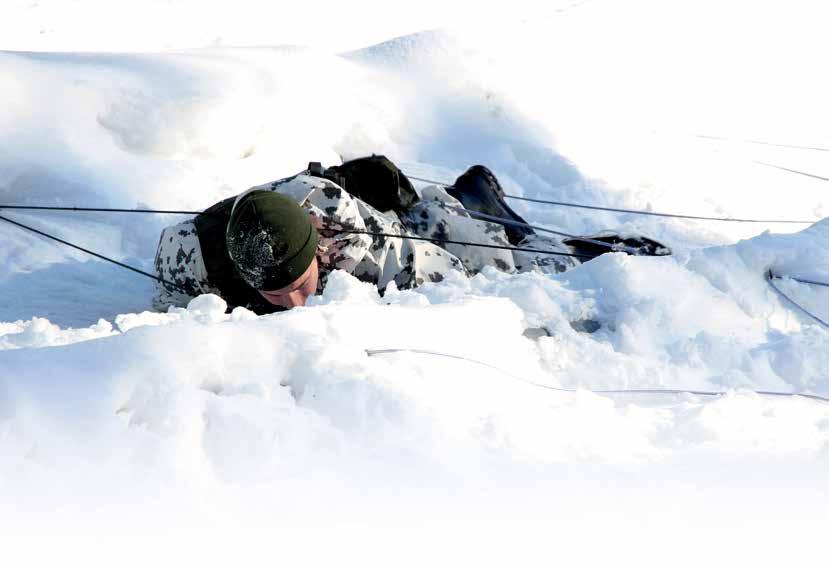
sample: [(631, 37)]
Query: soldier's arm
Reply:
[(335, 212)]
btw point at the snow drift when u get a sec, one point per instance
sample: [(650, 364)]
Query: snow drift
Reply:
[(218, 419)]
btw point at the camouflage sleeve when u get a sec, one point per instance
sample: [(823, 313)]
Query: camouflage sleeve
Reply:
[(179, 260)]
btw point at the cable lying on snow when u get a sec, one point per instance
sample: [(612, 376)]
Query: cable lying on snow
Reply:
[(93, 253), (770, 277), (371, 353)]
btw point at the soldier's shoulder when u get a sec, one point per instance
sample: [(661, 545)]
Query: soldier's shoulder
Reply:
[(304, 186)]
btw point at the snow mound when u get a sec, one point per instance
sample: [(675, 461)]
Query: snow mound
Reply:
[(463, 403)]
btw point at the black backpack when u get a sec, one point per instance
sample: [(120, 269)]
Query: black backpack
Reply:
[(373, 179)]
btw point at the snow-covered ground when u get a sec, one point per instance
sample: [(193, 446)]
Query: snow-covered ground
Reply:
[(281, 435)]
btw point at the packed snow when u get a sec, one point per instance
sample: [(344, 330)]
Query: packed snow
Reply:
[(476, 437)]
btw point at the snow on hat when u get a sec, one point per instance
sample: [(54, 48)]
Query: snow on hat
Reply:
[(271, 239)]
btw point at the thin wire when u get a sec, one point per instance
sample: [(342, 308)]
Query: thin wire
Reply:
[(632, 211), (452, 356), (807, 174), (660, 214), (770, 276), (94, 254), (455, 242), (776, 166), (351, 230), (118, 210), (106, 209), (435, 182), (597, 391), (522, 198), (761, 142), (505, 221), (804, 281), (346, 230)]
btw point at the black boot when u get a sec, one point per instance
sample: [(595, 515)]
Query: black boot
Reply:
[(634, 245), (478, 190)]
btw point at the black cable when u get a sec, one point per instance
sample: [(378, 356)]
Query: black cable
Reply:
[(762, 142), (428, 181), (106, 209), (346, 230), (349, 230), (550, 202), (807, 174), (804, 281), (638, 211), (770, 276), (94, 254), (455, 242), (653, 213), (796, 279), (504, 221), (117, 210)]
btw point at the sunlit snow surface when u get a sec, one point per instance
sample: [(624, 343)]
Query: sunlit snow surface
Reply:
[(210, 420)]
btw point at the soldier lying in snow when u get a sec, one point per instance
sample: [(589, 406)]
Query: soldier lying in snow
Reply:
[(273, 246)]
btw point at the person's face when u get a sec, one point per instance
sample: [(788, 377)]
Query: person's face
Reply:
[(298, 291)]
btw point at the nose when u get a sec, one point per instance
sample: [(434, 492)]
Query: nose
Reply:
[(294, 298)]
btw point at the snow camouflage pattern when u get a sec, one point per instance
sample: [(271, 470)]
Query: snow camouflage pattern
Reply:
[(179, 260), (375, 259)]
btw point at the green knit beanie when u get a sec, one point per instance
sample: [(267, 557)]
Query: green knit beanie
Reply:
[(271, 239)]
